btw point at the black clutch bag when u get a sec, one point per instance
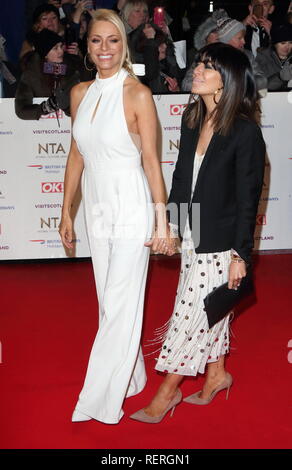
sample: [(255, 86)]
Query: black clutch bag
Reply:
[(222, 300)]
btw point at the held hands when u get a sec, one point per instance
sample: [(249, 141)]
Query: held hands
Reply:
[(66, 231), (237, 270), (165, 245)]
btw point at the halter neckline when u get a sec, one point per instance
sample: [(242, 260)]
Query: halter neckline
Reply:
[(102, 82)]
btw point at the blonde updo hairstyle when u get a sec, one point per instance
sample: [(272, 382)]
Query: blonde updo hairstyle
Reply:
[(111, 16)]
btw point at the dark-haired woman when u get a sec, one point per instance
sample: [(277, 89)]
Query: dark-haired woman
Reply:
[(220, 166)]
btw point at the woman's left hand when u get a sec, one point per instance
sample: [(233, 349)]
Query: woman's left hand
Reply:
[(237, 270), (172, 84)]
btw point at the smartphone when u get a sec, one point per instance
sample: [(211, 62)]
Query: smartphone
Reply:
[(159, 16), (90, 5), (258, 10), (70, 36)]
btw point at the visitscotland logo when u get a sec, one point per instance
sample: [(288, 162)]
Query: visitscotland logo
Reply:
[(53, 187)]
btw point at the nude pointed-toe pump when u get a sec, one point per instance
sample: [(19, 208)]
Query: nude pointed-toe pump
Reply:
[(144, 418), (195, 397)]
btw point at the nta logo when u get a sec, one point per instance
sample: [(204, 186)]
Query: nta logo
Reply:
[(50, 222), (51, 147)]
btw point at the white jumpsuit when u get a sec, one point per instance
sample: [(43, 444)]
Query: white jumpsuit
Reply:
[(119, 219)]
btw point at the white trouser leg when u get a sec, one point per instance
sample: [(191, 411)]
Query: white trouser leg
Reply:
[(115, 366)]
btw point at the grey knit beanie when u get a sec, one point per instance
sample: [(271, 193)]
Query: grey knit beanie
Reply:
[(203, 31), (227, 28), (207, 27)]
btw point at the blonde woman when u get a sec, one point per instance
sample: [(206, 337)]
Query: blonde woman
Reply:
[(114, 121)]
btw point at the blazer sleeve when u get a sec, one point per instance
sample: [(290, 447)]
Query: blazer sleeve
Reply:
[(249, 173), (180, 178)]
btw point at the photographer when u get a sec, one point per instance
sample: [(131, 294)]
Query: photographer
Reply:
[(276, 61), (49, 72), (258, 25)]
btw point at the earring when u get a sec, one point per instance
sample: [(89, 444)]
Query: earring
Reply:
[(85, 63), (215, 93)]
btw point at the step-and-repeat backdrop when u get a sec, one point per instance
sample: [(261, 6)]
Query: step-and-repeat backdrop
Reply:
[(33, 158)]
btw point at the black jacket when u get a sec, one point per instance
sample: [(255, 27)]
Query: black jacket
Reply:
[(264, 38), (228, 187)]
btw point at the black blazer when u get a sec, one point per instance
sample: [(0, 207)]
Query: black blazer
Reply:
[(228, 187)]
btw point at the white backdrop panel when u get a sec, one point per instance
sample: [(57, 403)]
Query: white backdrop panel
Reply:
[(33, 159)]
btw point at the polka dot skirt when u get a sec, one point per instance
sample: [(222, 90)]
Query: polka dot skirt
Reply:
[(188, 343)]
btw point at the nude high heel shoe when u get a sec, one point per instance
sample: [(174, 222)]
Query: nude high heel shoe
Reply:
[(195, 397), (144, 418)]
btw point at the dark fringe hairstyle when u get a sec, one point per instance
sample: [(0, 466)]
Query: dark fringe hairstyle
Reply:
[(239, 95)]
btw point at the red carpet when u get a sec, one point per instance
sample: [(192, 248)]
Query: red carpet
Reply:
[(47, 326)]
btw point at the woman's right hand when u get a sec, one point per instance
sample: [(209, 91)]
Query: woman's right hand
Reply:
[(237, 271), (66, 231)]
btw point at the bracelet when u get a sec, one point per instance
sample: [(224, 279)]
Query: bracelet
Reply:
[(237, 259)]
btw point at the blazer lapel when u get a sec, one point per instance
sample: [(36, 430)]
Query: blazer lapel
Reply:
[(189, 167), (214, 147)]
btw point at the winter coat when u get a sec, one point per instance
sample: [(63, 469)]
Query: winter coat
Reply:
[(277, 72)]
